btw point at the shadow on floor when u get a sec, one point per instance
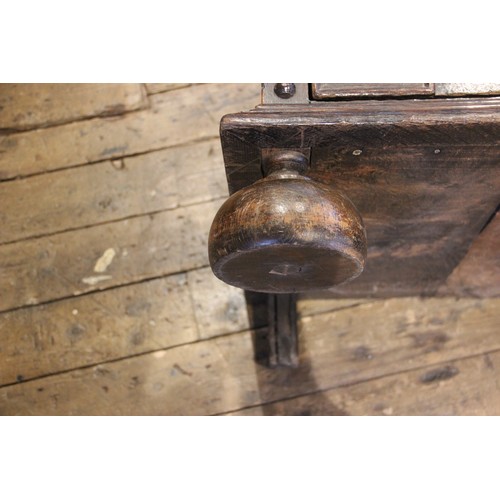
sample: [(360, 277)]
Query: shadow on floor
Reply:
[(278, 383)]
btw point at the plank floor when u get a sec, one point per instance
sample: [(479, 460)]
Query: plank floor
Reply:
[(108, 307)]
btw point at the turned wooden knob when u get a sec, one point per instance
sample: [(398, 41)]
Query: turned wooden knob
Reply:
[(287, 233)]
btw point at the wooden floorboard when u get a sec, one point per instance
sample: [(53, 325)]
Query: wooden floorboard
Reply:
[(134, 319), (155, 88), (464, 387), (176, 117), (100, 257), (107, 305), (29, 105), (117, 323), (111, 190), (219, 374)]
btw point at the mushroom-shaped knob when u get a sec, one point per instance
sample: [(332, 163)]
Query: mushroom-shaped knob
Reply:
[(287, 233)]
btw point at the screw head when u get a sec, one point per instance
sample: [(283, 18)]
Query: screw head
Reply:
[(284, 90)]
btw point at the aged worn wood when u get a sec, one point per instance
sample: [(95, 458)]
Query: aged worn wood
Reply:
[(463, 89), (118, 323), (111, 190), (351, 125), (219, 375), (135, 366), (464, 387), (218, 308), (130, 320), (96, 258), (28, 105), (331, 91), (283, 342), (479, 272), (176, 117), (95, 328), (320, 302), (327, 91), (287, 233), (422, 173), (155, 88)]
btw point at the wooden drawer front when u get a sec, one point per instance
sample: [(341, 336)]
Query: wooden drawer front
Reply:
[(338, 91)]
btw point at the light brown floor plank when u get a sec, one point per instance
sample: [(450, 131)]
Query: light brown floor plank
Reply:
[(174, 118), (111, 190), (96, 258), (219, 375), (94, 328), (117, 323), (465, 387), (130, 320), (29, 105), (155, 88)]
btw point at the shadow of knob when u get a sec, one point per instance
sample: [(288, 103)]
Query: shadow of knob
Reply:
[(287, 233)]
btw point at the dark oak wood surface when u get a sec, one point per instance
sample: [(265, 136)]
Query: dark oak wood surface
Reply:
[(422, 173), (287, 233)]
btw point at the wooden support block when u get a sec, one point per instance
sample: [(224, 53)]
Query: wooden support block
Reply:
[(283, 341), (29, 105)]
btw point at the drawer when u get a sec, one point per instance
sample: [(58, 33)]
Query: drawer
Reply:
[(333, 91)]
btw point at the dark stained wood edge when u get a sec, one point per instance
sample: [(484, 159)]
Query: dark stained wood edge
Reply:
[(283, 339), (244, 135)]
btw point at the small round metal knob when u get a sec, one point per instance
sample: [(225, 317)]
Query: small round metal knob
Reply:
[(285, 90), (287, 233)]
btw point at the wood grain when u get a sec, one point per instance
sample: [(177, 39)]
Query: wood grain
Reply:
[(218, 308), (111, 190), (478, 274), (114, 324), (219, 375), (327, 91), (28, 105), (155, 88), (66, 264), (463, 89), (287, 233), (464, 387), (126, 321), (174, 118), (422, 173), (144, 335), (95, 328)]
